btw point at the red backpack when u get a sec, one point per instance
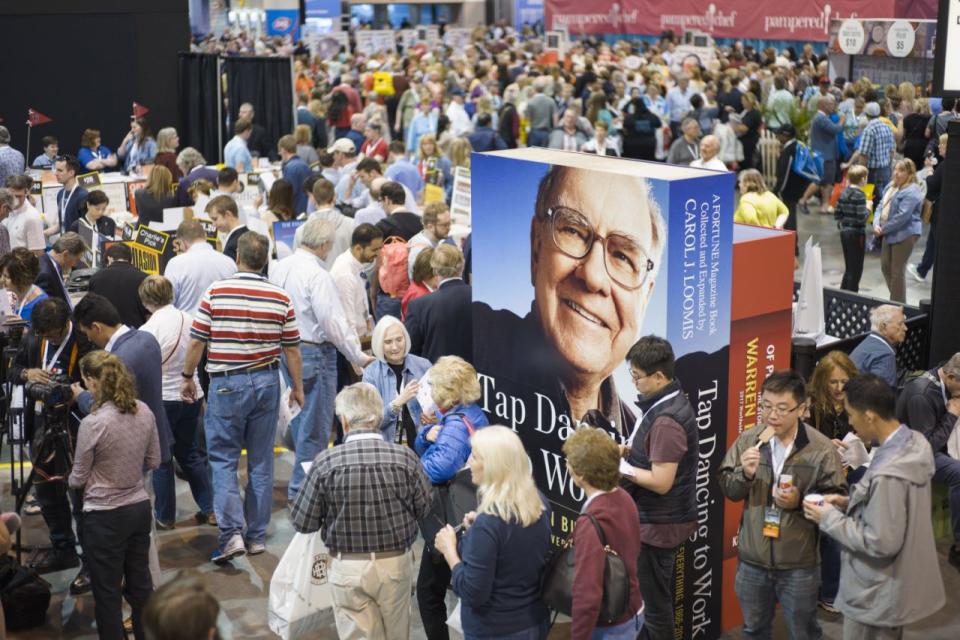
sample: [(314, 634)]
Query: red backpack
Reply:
[(393, 267)]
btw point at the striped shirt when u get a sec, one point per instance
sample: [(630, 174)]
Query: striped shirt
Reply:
[(246, 321)]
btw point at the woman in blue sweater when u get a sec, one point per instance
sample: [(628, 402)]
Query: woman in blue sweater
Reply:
[(504, 549), (443, 449)]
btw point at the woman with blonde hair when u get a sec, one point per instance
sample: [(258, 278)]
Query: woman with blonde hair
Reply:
[(116, 442), (167, 143), (155, 196), (303, 134), (396, 374), (444, 449), (433, 166), (758, 205), (504, 547), (898, 224)]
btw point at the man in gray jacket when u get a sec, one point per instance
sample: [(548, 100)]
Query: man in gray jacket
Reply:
[(889, 575)]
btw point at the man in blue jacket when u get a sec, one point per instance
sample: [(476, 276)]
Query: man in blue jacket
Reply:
[(295, 170), (877, 353)]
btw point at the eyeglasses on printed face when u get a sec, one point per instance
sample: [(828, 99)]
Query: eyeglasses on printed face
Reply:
[(626, 262)]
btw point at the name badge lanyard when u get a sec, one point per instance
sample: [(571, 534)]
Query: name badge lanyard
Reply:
[(636, 426), (65, 198), (48, 365)]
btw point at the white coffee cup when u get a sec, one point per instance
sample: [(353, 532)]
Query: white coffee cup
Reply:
[(814, 498)]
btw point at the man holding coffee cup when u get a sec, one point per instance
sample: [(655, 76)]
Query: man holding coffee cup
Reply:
[(889, 572), (770, 467)]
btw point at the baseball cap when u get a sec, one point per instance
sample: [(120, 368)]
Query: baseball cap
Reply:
[(872, 109), (343, 145)]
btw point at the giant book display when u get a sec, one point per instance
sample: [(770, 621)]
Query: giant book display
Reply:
[(576, 256)]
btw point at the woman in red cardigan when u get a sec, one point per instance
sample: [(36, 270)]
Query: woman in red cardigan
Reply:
[(594, 462)]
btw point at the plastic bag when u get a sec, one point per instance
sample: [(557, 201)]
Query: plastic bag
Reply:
[(300, 592)]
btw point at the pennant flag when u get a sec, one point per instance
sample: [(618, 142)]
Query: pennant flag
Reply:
[(139, 110), (35, 118)]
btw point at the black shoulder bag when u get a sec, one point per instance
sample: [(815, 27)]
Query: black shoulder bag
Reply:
[(557, 589)]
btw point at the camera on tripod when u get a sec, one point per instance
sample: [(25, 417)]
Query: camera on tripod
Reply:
[(54, 395)]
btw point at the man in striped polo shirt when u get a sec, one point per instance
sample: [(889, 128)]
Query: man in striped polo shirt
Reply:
[(246, 323)]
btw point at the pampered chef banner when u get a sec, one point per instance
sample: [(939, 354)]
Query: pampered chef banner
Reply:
[(806, 21)]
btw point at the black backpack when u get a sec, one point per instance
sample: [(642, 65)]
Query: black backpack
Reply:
[(24, 594), (557, 591)]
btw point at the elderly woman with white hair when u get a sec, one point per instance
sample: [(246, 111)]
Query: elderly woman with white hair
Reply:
[(396, 375)]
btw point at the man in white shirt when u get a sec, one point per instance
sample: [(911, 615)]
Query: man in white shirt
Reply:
[(460, 123), (709, 150), (236, 155), (436, 228), (324, 329), (24, 223), (372, 213), (350, 271), (323, 193), (194, 270)]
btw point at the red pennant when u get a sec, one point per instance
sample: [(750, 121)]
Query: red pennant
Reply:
[(139, 110), (35, 118)]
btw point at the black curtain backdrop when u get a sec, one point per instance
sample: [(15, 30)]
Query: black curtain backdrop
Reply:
[(944, 337), (85, 63), (197, 74), (266, 83)]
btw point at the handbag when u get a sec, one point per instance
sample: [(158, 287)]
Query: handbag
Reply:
[(300, 591), (557, 591), (25, 596)]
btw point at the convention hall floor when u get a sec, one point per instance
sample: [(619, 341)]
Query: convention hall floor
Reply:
[(242, 589)]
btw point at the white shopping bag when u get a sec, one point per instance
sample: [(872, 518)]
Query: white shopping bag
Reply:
[(454, 621), (808, 319), (300, 596)]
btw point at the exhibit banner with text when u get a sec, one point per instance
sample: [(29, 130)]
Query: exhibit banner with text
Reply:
[(575, 257)]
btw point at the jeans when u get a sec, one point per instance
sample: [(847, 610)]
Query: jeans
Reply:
[(929, 252), (853, 242), (242, 412), (183, 418), (432, 581), (947, 471), (624, 631), (386, 306), (655, 575), (119, 541), (538, 138), (829, 568), (311, 427), (878, 177), (536, 632), (759, 590)]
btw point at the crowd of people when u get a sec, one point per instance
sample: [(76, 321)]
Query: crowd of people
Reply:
[(360, 329)]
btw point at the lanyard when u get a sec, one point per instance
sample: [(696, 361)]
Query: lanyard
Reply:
[(778, 467), (636, 427), (694, 151), (47, 366)]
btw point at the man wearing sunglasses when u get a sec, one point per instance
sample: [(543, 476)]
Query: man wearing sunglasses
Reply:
[(595, 243), (778, 548)]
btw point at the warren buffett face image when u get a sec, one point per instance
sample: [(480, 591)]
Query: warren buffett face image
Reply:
[(596, 241)]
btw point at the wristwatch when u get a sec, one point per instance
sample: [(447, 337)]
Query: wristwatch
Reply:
[(186, 376)]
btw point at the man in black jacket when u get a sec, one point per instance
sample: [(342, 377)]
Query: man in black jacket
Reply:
[(56, 265), (662, 453), (440, 323), (120, 283), (790, 186), (930, 404), (54, 346)]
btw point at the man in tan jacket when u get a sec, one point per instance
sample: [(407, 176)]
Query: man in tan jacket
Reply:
[(771, 467)]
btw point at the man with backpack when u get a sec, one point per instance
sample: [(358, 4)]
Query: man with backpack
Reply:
[(790, 186), (398, 227)]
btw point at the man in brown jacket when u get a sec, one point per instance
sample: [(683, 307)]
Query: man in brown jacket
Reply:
[(771, 467)]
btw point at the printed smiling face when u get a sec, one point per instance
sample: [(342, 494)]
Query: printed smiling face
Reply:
[(593, 252)]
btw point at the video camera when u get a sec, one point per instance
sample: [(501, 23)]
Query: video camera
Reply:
[(54, 394)]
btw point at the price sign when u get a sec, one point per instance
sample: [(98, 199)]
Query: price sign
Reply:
[(900, 39), (851, 37)]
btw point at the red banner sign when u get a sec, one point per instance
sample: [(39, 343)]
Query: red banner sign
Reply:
[(804, 21), (35, 118)]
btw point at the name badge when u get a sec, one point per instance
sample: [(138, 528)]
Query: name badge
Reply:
[(771, 522)]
